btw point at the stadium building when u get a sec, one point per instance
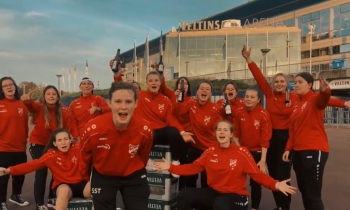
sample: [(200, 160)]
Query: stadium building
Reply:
[(292, 30)]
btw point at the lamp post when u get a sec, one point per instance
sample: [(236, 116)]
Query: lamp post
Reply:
[(98, 84), (59, 86), (311, 33), (264, 52), (187, 68), (288, 45)]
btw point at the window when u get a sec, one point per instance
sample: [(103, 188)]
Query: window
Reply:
[(305, 54), (324, 16), (336, 19), (336, 49), (315, 16), (345, 7), (289, 22), (306, 18), (344, 48)]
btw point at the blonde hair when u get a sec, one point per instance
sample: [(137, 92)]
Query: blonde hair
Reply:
[(287, 101), (231, 129)]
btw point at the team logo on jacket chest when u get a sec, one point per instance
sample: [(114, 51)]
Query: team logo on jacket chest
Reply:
[(256, 124), (133, 150), (303, 106), (206, 120), (20, 111), (161, 107), (74, 160), (233, 163)]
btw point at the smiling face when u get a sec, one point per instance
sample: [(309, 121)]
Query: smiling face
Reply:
[(62, 142), (224, 133), (280, 84), (153, 83), (230, 91), (86, 87), (9, 88), (251, 99), (301, 86), (204, 92), (51, 96), (122, 104)]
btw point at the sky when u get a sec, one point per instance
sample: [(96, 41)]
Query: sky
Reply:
[(39, 39)]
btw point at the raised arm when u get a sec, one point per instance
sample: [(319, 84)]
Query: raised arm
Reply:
[(165, 90), (257, 74), (323, 96), (184, 170)]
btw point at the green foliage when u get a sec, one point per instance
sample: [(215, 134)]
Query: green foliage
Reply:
[(217, 86), (103, 92)]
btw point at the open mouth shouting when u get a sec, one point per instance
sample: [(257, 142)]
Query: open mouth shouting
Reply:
[(222, 137), (123, 116), (154, 88)]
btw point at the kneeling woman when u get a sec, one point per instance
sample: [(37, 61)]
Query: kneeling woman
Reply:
[(62, 158), (227, 167)]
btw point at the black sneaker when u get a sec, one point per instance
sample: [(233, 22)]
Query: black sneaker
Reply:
[(51, 203), (4, 206), (43, 207), (17, 199)]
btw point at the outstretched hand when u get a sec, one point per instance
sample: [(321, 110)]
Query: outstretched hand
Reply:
[(286, 189), (165, 165), (323, 85), (245, 52), (187, 137), (4, 171)]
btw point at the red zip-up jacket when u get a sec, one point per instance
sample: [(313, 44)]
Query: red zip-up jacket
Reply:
[(253, 128), (64, 166), (235, 105), (184, 120), (307, 130), (203, 119), (227, 169), (275, 102), (80, 114), (156, 109), (114, 152), (118, 78), (41, 133), (13, 125)]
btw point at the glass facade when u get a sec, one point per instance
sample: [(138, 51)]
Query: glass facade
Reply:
[(215, 56)]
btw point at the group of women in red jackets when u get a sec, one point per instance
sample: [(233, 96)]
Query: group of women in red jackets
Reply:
[(53, 124), (95, 148)]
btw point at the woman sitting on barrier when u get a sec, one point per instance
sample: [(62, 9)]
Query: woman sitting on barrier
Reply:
[(227, 166), (62, 157)]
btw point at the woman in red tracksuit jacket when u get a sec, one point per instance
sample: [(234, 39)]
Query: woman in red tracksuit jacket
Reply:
[(48, 115), (13, 139), (86, 107), (253, 130), (157, 109), (116, 146), (204, 115), (184, 120), (308, 139), (280, 103), (63, 159), (227, 166), (229, 89)]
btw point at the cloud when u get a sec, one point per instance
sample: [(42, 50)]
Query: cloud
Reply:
[(34, 14)]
